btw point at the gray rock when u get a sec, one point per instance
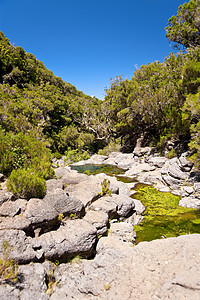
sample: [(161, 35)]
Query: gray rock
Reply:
[(40, 214), (53, 184), (138, 169), (120, 271), (197, 187), (22, 250), (86, 191), (33, 282), (190, 202), (183, 286), (157, 161), (63, 203), (105, 204), (184, 163), (74, 237), (98, 219), (115, 206), (69, 176), (138, 206), (13, 208), (6, 196), (123, 231)]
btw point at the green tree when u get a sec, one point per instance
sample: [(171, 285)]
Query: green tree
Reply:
[(184, 28)]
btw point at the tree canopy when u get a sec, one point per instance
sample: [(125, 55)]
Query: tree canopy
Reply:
[(184, 28)]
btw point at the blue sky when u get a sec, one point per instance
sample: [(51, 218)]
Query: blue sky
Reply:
[(87, 42)]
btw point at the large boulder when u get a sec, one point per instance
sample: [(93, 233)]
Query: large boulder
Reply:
[(98, 219), (115, 206), (161, 269), (74, 237), (22, 250), (64, 203)]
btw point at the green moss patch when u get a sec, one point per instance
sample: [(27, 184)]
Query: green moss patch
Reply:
[(163, 217)]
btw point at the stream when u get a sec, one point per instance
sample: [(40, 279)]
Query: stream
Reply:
[(163, 217)]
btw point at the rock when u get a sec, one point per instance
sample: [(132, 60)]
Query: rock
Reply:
[(74, 237), (138, 169), (13, 208), (139, 208), (33, 282), (157, 161), (197, 187), (105, 204), (40, 214), (96, 159), (6, 196), (183, 286), (22, 250), (123, 231), (115, 206), (184, 163), (69, 176), (98, 219), (86, 191), (190, 202), (53, 184), (64, 204)]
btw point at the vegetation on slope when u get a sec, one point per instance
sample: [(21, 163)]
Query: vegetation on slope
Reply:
[(161, 101), (39, 112)]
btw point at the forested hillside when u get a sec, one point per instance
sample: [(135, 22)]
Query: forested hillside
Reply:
[(40, 114), (161, 103)]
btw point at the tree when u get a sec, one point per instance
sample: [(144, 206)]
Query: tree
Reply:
[(184, 28)]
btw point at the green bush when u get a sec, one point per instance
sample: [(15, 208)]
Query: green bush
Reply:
[(75, 155), (8, 268), (25, 184), (18, 151)]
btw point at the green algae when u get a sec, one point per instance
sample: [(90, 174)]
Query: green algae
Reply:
[(163, 217)]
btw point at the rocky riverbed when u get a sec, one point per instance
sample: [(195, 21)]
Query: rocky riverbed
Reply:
[(76, 220)]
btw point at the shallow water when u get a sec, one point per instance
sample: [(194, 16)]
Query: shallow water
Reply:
[(96, 169), (163, 217)]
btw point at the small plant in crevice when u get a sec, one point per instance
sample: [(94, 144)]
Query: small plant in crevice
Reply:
[(105, 184), (50, 279), (60, 218), (8, 268)]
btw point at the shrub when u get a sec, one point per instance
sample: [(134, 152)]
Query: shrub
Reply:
[(105, 188), (8, 268), (25, 184), (18, 151)]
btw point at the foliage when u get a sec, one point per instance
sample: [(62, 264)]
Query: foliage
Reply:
[(8, 268), (105, 184), (26, 184), (60, 218), (184, 28), (72, 156), (21, 151)]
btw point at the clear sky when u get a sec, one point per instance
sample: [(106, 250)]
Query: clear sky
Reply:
[(87, 42)]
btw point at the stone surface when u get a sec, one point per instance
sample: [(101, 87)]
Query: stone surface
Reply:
[(161, 269), (98, 219), (74, 237), (5, 196), (190, 202), (64, 203), (23, 251)]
